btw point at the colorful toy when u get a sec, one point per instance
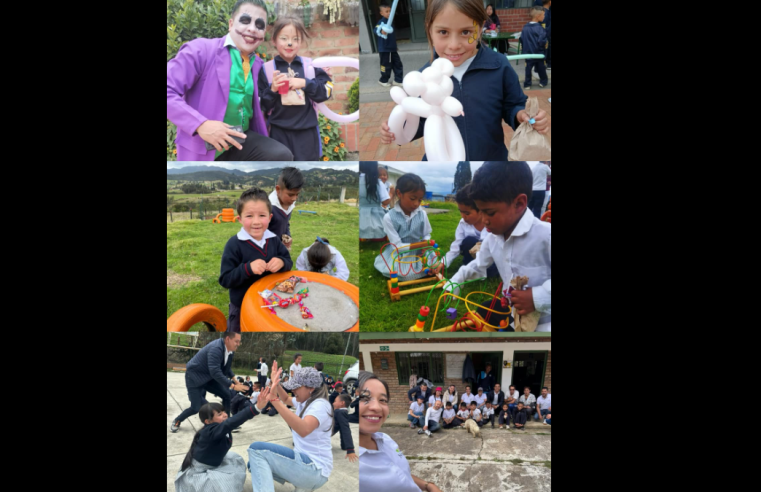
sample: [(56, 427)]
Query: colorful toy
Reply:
[(547, 216), (386, 27), (227, 215), (452, 313), (405, 266)]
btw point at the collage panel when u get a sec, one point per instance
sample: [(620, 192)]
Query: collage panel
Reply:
[(262, 247), (253, 411), (448, 81), (453, 246), (455, 411)]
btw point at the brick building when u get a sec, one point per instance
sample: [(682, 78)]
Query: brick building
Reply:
[(522, 359)]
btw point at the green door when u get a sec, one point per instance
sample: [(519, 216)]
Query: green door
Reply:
[(417, 19), (528, 370)]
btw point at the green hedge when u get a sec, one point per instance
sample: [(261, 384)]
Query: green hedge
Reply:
[(354, 96)]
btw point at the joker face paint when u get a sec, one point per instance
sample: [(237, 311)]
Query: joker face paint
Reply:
[(247, 27)]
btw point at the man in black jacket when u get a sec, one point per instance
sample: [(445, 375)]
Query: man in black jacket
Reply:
[(422, 390), (496, 398), (486, 379), (210, 370)]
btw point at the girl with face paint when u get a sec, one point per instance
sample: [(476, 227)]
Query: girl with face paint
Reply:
[(211, 92), (295, 126)]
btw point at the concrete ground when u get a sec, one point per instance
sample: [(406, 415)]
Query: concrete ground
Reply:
[(344, 477), (498, 460)]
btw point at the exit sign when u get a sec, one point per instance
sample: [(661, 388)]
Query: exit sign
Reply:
[(384, 348)]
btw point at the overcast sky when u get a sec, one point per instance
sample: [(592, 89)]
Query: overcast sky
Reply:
[(438, 177), (247, 167)]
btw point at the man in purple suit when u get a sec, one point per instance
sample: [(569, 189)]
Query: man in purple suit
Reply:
[(211, 87)]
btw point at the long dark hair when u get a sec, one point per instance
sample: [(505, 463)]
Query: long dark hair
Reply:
[(319, 255), (206, 413), (493, 17), (370, 170)]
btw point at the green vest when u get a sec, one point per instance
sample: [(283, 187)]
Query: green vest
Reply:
[(241, 94)]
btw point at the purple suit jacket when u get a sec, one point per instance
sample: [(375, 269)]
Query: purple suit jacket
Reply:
[(197, 90)]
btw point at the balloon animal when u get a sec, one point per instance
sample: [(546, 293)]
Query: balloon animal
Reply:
[(429, 95), (386, 26)]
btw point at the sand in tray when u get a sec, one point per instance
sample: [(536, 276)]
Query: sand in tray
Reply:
[(332, 309)]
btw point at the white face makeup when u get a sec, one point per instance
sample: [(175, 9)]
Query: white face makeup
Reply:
[(247, 27)]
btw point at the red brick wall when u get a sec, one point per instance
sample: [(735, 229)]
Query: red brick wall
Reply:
[(514, 19)]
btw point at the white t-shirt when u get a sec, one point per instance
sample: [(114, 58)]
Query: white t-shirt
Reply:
[(516, 395), (385, 469), (263, 369), (432, 400), (540, 172), (463, 414), (487, 412), (467, 398), (480, 399), (433, 414), (295, 367), (448, 414), (544, 403), (460, 71), (476, 414), (317, 444), (417, 409)]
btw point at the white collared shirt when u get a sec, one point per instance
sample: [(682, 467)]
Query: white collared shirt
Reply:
[(540, 172), (463, 230), (386, 468), (263, 369), (487, 412), (448, 413), (393, 236), (463, 414), (338, 261), (227, 354), (468, 397), (275, 201), (245, 236), (527, 252)]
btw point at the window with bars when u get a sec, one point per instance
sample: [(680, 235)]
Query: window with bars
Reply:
[(426, 365), (511, 4)]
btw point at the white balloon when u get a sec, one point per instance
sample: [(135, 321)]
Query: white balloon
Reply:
[(452, 106), (447, 85), (435, 144), (413, 84), (417, 106), (455, 146), (434, 94), (436, 110), (403, 133), (398, 94), (431, 74), (445, 66)]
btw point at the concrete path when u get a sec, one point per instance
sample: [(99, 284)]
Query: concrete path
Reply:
[(345, 475)]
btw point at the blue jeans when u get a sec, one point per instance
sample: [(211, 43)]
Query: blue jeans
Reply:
[(416, 419), (543, 412), (433, 426), (269, 462), (549, 421)]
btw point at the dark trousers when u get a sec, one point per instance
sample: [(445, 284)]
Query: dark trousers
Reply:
[(541, 69), (339, 419), (458, 421), (519, 418), (390, 61), (238, 403), (304, 144), (489, 420), (536, 202), (233, 320), (197, 397), (257, 147), (465, 247), (354, 417), (262, 382), (549, 49), (455, 422), (496, 318), (504, 417)]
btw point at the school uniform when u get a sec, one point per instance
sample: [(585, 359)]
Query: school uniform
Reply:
[(520, 417), (236, 274), (214, 468), (296, 127), (402, 230), (210, 370), (527, 252), (336, 263), (281, 217), (540, 171), (547, 24), (449, 414), (389, 56), (475, 416), (462, 416), (386, 468), (488, 81), (466, 237), (371, 211), (206, 81), (504, 417), (529, 404), (335, 394), (354, 416), (341, 424), (534, 39)]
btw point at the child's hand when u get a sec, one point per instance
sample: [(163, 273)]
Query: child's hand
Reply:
[(523, 301), (263, 397), (386, 136), (258, 267), (275, 264), (433, 488), (352, 457), (277, 80), (542, 124), (383, 32), (298, 83)]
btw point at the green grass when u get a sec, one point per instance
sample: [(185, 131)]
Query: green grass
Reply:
[(194, 248), (380, 314)]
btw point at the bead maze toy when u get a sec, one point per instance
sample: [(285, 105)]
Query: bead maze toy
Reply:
[(429, 252), (227, 215)]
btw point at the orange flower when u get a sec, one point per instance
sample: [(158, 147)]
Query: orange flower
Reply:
[(328, 127), (174, 152), (343, 145), (327, 139), (325, 158), (335, 150)]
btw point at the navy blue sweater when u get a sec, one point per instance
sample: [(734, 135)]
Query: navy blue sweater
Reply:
[(293, 117), (236, 274), (215, 440), (534, 39), (280, 223), (388, 44), (490, 92)]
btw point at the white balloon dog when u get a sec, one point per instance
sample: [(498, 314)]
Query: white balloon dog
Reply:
[(443, 141)]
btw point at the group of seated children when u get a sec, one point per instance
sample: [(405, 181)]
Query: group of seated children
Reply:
[(262, 246)]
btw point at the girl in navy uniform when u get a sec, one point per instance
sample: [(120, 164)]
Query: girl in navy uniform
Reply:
[(209, 464), (294, 126), (484, 82)]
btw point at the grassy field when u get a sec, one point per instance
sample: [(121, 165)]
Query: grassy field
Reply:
[(194, 251), (379, 313)]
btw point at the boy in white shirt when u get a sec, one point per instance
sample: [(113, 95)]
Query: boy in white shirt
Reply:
[(463, 414), (488, 414), (449, 416), (518, 243), (475, 414), (432, 418), (415, 415)]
